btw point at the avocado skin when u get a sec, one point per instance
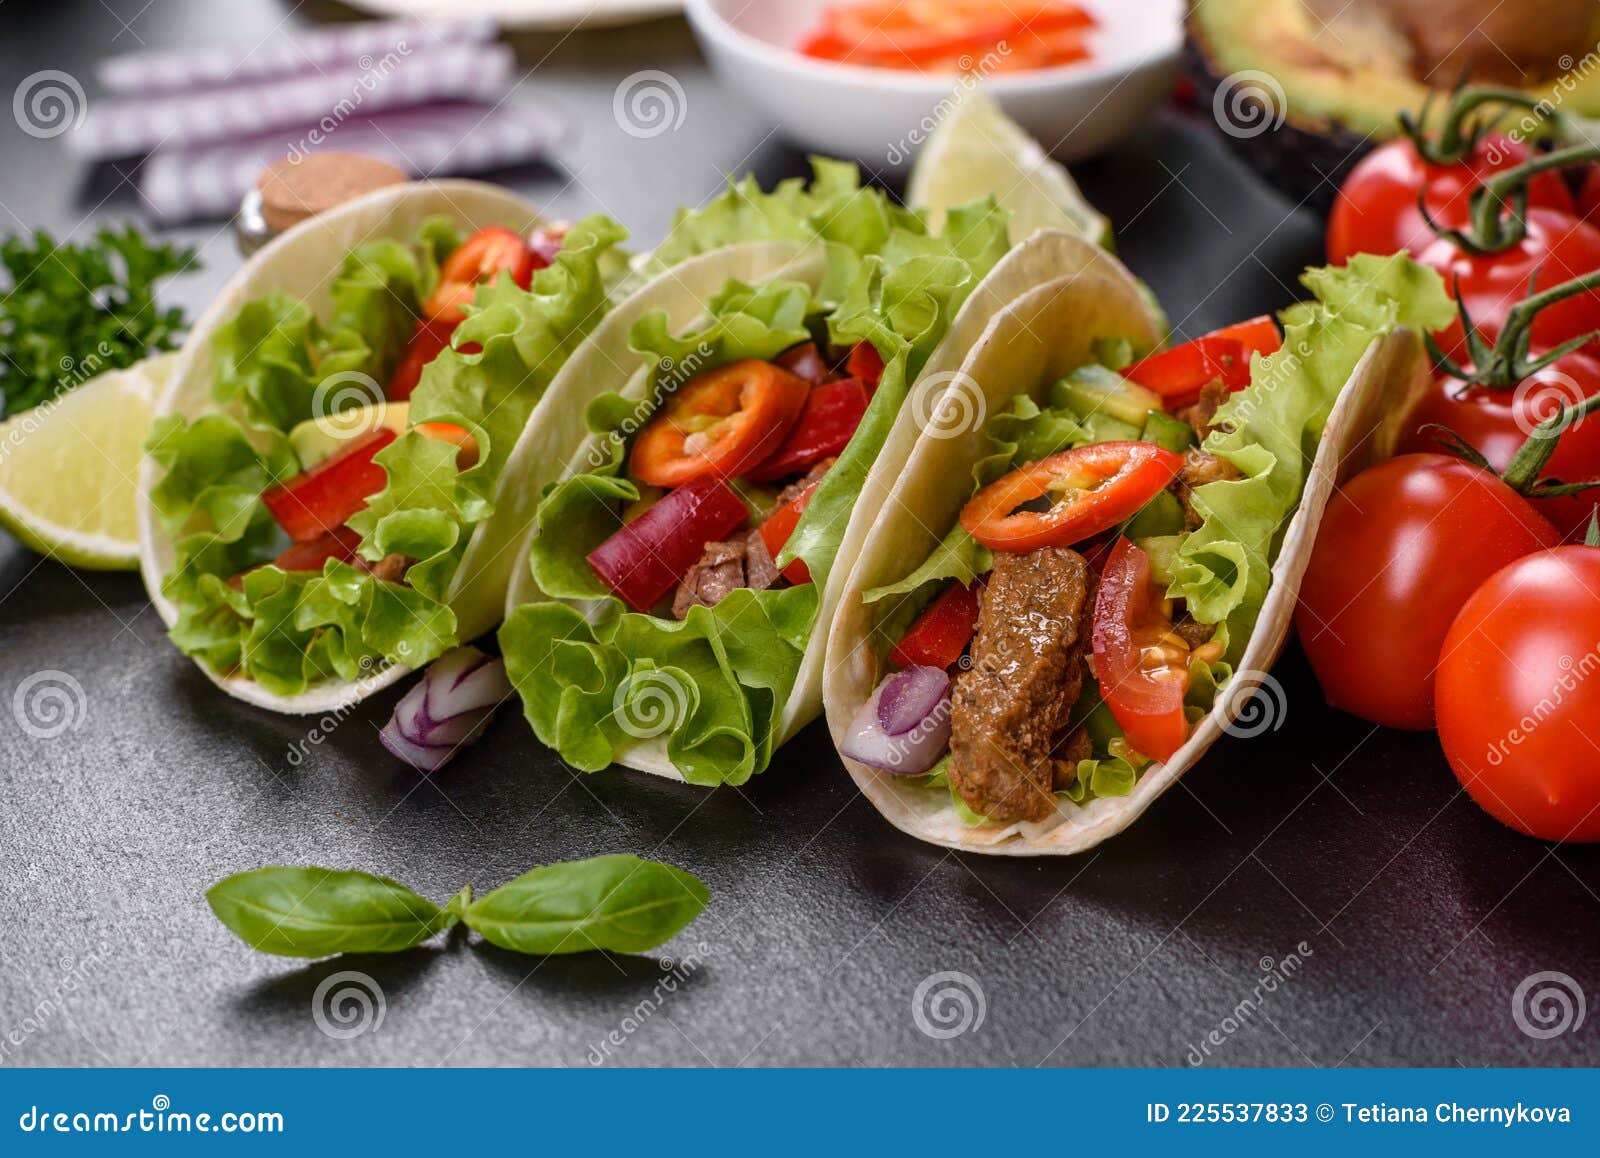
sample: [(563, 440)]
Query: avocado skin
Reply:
[(1307, 163)]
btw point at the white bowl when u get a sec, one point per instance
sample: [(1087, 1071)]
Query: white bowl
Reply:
[(879, 116)]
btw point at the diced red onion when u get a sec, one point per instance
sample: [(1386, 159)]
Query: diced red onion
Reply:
[(908, 753), (546, 242), (908, 697), (447, 709)]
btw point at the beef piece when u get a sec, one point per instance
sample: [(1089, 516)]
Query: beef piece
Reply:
[(796, 488), (1199, 468), (1011, 710), (1192, 631), (389, 569), (1212, 395), (719, 571), (1074, 747), (760, 572)]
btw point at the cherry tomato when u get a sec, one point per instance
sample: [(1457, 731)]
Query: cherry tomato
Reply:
[(1519, 695), (1376, 210), (942, 632), (1497, 422), (479, 259), (1401, 547), (722, 422), (1589, 195), (1142, 679), (1093, 487), (1558, 247), (780, 525)]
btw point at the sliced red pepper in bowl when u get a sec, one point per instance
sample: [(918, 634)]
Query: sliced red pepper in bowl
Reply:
[(1090, 489), (650, 555), (826, 424), (941, 633), (323, 498)]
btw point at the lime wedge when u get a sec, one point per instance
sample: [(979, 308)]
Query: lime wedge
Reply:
[(68, 469), (977, 151)]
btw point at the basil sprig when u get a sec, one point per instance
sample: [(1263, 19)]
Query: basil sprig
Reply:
[(620, 903)]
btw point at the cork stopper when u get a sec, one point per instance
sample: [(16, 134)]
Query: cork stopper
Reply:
[(295, 189)]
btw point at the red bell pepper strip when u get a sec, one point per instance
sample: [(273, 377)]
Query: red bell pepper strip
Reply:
[(942, 632), (865, 363), (649, 556), (310, 505), (832, 413), (340, 543), (1179, 373), (780, 525)]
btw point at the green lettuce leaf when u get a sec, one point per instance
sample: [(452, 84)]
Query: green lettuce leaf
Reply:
[(1225, 566)]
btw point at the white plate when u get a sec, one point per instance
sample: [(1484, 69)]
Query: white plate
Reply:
[(528, 15), (880, 116)]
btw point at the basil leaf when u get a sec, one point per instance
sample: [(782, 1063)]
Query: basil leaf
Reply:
[(620, 902), (317, 912)]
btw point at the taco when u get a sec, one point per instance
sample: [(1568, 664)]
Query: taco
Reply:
[(1074, 589), (318, 480), (670, 610)]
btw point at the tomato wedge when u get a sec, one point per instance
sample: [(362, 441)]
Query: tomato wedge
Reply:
[(1093, 488), (722, 422), (1142, 675), (942, 632), (780, 525), (479, 259), (311, 504)]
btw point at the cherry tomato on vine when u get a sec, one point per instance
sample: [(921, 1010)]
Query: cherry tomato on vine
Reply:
[(1519, 695), (1557, 248), (1376, 210), (1400, 549), (1497, 422)]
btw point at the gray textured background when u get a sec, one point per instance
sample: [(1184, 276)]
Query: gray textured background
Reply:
[(1418, 914)]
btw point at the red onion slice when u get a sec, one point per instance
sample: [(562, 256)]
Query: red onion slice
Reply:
[(908, 697), (447, 709), (910, 753)]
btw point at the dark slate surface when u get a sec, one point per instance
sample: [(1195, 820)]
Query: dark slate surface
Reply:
[(1321, 894)]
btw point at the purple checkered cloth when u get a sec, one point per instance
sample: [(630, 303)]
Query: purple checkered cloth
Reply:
[(306, 104), (144, 73), (188, 184)]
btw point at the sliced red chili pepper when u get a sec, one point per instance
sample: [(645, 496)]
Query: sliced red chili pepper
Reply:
[(941, 633), (1179, 373), (865, 363), (826, 424), (805, 361), (1142, 668), (649, 556), (722, 423), (478, 259), (314, 503), (780, 525), (340, 543), (1092, 488)]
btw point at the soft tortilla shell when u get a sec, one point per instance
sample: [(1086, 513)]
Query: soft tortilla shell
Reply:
[(303, 262), (1027, 345)]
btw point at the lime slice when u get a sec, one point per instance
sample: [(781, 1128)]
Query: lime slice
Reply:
[(68, 469), (976, 151)]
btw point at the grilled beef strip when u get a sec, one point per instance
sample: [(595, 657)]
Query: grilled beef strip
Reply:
[(1011, 740)]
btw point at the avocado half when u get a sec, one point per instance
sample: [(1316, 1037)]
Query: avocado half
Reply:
[(1302, 89)]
